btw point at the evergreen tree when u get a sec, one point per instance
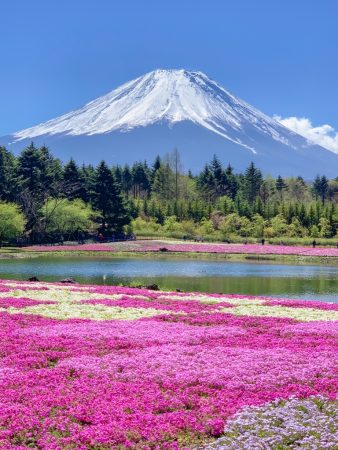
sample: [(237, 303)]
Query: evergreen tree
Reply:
[(127, 180), (140, 179), (8, 185), (117, 173), (321, 188), (219, 177), (87, 181), (39, 176), (157, 163), (38, 171), (205, 183), (280, 186), (252, 182), (108, 200), (164, 183), (71, 176), (232, 183), (302, 216)]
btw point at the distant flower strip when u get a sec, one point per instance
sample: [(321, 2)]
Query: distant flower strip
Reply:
[(155, 246), (96, 367)]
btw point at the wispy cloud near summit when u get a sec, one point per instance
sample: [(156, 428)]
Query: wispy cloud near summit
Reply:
[(324, 135)]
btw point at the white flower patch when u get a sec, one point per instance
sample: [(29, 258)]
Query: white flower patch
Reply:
[(62, 295), (244, 301), (66, 310), (192, 297), (303, 314)]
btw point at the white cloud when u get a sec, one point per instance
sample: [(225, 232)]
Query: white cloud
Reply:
[(324, 135)]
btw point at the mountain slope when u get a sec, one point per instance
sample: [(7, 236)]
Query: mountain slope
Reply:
[(177, 108)]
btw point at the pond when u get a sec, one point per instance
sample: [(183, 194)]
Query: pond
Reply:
[(319, 282)]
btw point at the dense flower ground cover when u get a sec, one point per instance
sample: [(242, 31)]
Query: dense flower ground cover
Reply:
[(155, 246), (95, 367)]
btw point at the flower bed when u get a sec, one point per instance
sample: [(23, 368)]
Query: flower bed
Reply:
[(95, 367), (157, 246)]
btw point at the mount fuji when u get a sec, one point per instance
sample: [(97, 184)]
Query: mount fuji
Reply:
[(167, 109)]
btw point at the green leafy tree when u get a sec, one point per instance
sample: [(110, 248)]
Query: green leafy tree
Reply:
[(257, 226), (325, 229), (295, 229), (12, 221), (231, 225), (279, 225), (67, 216)]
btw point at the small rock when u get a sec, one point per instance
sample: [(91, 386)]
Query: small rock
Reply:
[(163, 249), (153, 287), (33, 279), (68, 280), (179, 290)]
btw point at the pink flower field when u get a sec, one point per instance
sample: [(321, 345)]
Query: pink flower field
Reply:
[(98, 368), (172, 246)]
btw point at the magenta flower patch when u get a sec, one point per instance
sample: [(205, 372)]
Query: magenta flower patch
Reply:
[(97, 367)]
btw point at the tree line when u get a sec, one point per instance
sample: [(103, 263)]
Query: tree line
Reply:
[(40, 197)]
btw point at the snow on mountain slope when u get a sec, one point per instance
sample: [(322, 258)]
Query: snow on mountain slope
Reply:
[(165, 109), (162, 95)]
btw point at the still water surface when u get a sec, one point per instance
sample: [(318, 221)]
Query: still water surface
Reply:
[(318, 282)]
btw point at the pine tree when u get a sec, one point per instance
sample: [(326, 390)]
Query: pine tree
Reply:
[(71, 176), (37, 170), (219, 178), (8, 185), (321, 188), (39, 177), (140, 180), (108, 200), (232, 183), (252, 182), (302, 216), (156, 165), (117, 172), (164, 183), (87, 181), (206, 182), (280, 186), (127, 180)]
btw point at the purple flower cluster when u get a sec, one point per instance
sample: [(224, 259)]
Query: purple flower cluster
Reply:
[(310, 424)]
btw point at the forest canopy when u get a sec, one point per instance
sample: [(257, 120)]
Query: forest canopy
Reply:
[(159, 199)]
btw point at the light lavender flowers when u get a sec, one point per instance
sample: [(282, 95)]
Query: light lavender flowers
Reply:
[(310, 424)]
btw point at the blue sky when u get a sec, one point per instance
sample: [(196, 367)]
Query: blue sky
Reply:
[(281, 56)]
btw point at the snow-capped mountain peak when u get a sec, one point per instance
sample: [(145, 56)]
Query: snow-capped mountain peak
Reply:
[(164, 109), (162, 95)]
